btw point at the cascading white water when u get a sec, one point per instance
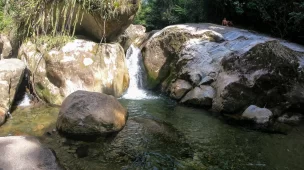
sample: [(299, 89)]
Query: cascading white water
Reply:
[(135, 92), (26, 101)]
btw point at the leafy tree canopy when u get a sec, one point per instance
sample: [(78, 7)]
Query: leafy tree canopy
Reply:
[(282, 18)]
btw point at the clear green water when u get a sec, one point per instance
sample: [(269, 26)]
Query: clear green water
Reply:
[(190, 139)]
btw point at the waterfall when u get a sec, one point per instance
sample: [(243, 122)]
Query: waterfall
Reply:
[(26, 101), (135, 91)]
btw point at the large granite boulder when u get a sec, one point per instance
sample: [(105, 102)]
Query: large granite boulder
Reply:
[(91, 114), (11, 75), (245, 68), (94, 25), (161, 52), (78, 65), (19, 153)]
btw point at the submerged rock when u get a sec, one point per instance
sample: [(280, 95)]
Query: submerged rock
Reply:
[(89, 113), (142, 141), (291, 118), (78, 65), (25, 153), (243, 67), (258, 115), (11, 75)]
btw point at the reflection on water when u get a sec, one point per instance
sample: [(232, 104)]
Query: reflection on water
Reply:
[(33, 121), (190, 139)]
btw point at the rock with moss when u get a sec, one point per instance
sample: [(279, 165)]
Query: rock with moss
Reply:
[(134, 34), (78, 65), (99, 20), (94, 24), (11, 75), (244, 68), (90, 114), (6, 49)]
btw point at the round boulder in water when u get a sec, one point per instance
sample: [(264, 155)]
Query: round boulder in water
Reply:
[(258, 115), (90, 113)]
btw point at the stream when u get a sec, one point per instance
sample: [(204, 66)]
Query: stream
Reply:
[(161, 134)]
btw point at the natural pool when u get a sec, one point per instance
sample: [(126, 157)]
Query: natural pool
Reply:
[(189, 139)]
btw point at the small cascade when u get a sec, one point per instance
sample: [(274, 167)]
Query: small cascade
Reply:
[(135, 91), (26, 101)]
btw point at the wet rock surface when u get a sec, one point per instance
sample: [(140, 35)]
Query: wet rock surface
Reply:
[(90, 114)]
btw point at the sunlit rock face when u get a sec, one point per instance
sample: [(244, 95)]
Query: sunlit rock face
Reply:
[(243, 67), (19, 152), (90, 114), (11, 75), (78, 65), (6, 49), (134, 34)]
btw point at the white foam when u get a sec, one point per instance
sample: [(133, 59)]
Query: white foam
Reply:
[(26, 101), (135, 92)]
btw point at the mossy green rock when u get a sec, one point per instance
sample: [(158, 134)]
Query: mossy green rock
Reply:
[(11, 76)]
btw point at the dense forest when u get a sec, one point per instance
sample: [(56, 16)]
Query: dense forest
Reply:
[(281, 18)]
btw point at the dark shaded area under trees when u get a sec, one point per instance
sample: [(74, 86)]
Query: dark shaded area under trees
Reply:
[(281, 18)]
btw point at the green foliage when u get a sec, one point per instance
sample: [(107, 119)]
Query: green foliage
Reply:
[(158, 13), (6, 21), (53, 18), (51, 42), (282, 18), (59, 17)]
